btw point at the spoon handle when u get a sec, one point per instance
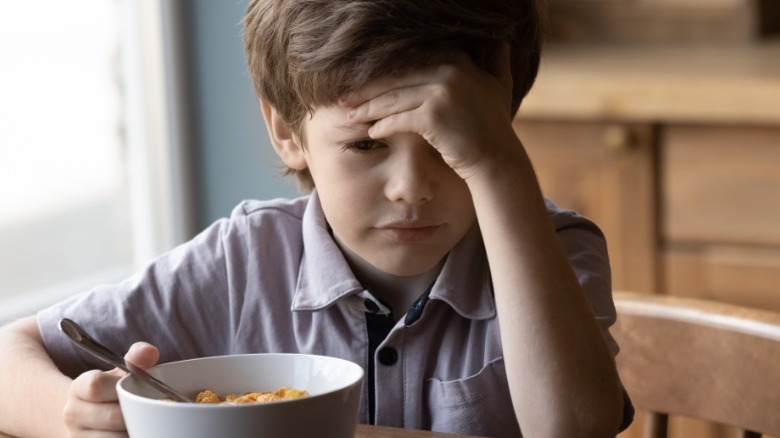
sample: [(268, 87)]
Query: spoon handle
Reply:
[(90, 345)]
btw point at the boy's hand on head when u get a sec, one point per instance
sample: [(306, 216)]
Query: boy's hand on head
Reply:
[(93, 404), (460, 109)]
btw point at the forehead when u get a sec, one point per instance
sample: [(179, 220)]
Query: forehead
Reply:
[(334, 118)]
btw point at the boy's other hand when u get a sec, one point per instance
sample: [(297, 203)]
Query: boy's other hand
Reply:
[(460, 109), (93, 404)]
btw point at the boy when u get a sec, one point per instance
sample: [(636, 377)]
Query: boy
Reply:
[(425, 252)]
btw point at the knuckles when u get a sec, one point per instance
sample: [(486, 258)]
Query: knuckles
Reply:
[(91, 404), (114, 417), (93, 385), (391, 98)]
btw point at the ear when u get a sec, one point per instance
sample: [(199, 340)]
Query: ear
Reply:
[(286, 144)]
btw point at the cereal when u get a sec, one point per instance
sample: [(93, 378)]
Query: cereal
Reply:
[(283, 393)]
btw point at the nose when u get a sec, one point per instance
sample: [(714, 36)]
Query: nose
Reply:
[(411, 171)]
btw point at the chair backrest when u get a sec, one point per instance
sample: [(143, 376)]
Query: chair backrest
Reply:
[(700, 359)]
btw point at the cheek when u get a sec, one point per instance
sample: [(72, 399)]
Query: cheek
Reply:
[(347, 181), (347, 202), (459, 202)]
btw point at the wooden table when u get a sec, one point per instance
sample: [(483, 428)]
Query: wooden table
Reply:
[(366, 431)]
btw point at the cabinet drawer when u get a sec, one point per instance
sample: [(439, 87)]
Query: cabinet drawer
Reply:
[(604, 171), (740, 275), (721, 185)]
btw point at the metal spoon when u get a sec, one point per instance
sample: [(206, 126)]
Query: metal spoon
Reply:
[(88, 344)]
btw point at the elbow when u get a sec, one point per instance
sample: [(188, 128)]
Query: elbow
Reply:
[(601, 417), (598, 425)]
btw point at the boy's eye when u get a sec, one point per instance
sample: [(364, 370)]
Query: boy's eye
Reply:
[(363, 145)]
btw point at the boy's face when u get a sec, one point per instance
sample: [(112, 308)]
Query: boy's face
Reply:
[(393, 201)]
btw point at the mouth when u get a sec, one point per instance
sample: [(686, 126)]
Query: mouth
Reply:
[(409, 231)]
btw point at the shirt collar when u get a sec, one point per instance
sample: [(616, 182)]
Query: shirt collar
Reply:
[(464, 282), (325, 276)]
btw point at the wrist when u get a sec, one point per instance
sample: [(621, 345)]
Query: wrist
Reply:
[(510, 171)]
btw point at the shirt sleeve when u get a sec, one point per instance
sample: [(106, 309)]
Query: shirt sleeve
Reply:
[(160, 304), (586, 247)]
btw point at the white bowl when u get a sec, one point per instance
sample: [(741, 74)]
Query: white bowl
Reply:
[(330, 410)]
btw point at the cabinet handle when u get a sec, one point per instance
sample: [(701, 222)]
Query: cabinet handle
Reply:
[(619, 138)]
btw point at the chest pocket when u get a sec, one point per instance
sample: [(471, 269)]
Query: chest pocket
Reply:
[(476, 405)]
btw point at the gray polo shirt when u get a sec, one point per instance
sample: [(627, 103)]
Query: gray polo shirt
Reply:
[(271, 279)]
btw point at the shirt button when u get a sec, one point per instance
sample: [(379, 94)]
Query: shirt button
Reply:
[(371, 306), (388, 356)]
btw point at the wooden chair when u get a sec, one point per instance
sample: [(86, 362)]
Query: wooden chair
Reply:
[(700, 359)]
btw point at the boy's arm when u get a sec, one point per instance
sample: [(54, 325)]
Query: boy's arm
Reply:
[(561, 374), (40, 401), (34, 389), (558, 364)]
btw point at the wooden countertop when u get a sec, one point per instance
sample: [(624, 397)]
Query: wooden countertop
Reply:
[(365, 431), (734, 84)]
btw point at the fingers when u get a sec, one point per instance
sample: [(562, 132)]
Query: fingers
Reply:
[(439, 88), (385, 98), (142, 354), (420, 102), (382, 85), (98, 434), (92, 404), (460, 109), (425, 75), (380, 109), (418, 122), (96, 386), (92, 408)]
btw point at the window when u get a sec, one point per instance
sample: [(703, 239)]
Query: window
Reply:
[(87, 164)]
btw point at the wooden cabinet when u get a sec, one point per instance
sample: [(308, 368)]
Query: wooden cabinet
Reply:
[(605, 172), (690, 210), (721, 184), (676, 155), (687, 210), (720, 207)]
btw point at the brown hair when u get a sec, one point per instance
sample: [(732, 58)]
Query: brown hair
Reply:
[(306, 53)]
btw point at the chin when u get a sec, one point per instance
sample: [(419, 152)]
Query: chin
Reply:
[(405, 268)]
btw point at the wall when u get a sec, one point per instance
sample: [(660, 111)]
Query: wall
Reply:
[(232, 156)]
